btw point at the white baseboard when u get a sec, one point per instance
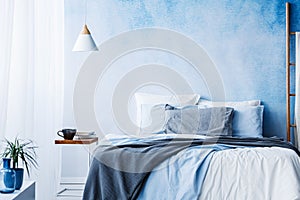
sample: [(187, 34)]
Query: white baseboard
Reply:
[(72, 180)]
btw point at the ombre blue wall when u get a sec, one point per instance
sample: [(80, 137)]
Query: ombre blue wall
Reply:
[(244, 38)]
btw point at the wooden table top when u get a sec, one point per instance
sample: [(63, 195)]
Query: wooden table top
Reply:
[(77, 141)]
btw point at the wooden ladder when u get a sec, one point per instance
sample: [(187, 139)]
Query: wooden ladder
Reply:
[(289, 66)]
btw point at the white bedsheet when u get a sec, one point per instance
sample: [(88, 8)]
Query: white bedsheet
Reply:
[(254, 174)]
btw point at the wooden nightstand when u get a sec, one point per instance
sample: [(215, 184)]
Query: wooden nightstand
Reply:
[(73, 188)]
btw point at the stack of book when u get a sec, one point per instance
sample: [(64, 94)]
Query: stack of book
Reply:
[(85, 134)]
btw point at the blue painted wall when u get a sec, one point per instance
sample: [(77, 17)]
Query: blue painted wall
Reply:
[(244, 38)]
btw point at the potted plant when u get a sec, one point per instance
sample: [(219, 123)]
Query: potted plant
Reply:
[(24, 151)]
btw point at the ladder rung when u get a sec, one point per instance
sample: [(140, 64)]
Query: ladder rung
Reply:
[(292, 33), (292, 64), (292, 125), (292, 95)]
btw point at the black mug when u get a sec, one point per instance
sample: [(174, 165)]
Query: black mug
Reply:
[(67, 134)]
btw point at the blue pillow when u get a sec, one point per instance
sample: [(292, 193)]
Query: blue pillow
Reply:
[(196, 120), (247, 121)]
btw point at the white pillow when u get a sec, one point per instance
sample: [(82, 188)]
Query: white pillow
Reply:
[(151, 103), (203, 102), (152, 118)]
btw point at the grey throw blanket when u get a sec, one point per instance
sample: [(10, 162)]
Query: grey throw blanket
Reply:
[(119, 172)]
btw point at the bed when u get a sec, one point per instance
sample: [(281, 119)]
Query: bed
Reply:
[(191, 148), (198, 150)]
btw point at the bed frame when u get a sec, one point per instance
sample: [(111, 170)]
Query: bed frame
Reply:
[(290, 125)]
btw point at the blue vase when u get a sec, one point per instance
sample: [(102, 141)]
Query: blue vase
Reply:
[(7, 177), (19, 177)]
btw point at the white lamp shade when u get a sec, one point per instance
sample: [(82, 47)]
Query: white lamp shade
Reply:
[(85, 41)]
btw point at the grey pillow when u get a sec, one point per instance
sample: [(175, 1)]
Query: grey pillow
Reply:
[(198, 120)]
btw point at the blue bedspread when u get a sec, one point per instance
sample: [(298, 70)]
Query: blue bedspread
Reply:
[(188, 168)]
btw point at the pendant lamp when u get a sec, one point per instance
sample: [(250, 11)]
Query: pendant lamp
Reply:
[(85, 41)]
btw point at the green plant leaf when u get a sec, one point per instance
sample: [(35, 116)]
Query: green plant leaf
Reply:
[(23, 150)]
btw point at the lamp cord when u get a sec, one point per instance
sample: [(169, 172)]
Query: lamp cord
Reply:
[(85, 12)]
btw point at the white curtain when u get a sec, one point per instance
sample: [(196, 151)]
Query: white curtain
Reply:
[(31, 81), (297, 100), (6, 19)]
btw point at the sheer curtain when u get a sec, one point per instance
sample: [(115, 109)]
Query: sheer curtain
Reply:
[(6, 19), (31, 75)]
